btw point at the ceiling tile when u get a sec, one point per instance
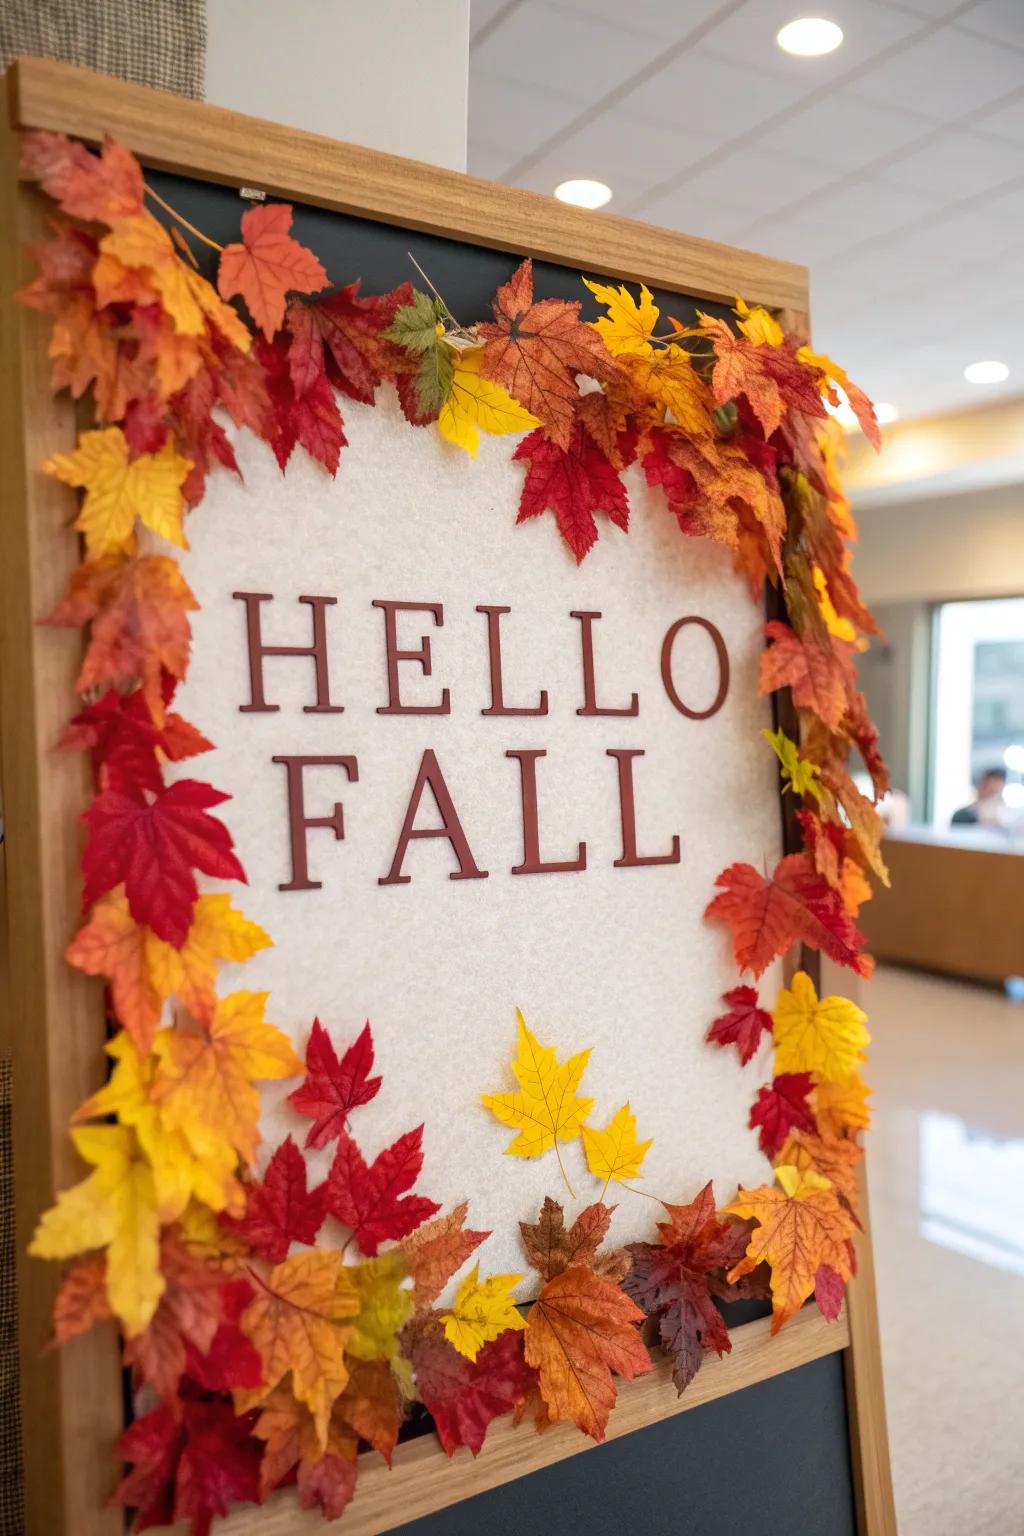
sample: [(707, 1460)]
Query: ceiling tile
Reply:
[(483, 12), (944, 76), (954, 166), (505, 112), (1005, 122), (710, 96), (760, 181), (844, 132), (660, 18), (748, 37), (1000, 20), (696, 216), (543, 47), (620, 150)]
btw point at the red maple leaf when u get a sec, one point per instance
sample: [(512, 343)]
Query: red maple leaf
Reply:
[(268, 265), (126, 745), (231, 1360), (771, 378), (97, 188), (372, 1200), (342, 335), (463, 1396), (780, 1108), (155, 846), (829, 1290), (743, 1025), (189, 1468), (331, 1088), (312, 419), (821, 675), (279, 1210), (767, 914), (535, 351), (574, 482), (675, 1281)]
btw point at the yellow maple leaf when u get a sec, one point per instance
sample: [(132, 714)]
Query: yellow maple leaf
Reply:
[(842, 1107), (385, 1304), (299, 1323), (825, 1036), (206, 1081), (615, 1153), (482, 1309), (218, 932), (475, 404), (114, 1208), (843, 629), (758, 325), (628, 326), (669, 378), (178, 1174), (547, 1108), (141, 245), (119, 489), (799, 773)]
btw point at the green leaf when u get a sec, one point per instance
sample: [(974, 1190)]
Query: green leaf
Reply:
[(434, 377), (415, 325)]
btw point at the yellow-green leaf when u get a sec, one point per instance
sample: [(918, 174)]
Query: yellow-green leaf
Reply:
[(482, 1309)]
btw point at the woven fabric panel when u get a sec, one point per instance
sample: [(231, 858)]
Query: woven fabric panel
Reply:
[(12, 1518), (152, 42)]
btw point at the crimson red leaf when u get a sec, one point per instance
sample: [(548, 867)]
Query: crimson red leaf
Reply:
[(312, 419), (574, 483), (190, 1468), (463, 1396), (767, 914), (126, 744), (331, 1088), (743, 1025), (154, 847), (780, 1108), (829, 1290), (279, 1210), (232, 1360), (372, 1200), (342, 335)]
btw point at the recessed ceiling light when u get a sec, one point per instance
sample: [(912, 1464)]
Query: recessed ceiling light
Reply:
[(989, 372), (809, 37), (884, 413), (583, 193)]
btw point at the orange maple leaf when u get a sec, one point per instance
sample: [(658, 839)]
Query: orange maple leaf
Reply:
[(436, 1251), (800, 1227), (326, 1476), (832, 1157), (82, 1298), (267, 265), (769, 913), (371, 1405), (820, 675), (581, 1328), (97, 188), (772, 378)]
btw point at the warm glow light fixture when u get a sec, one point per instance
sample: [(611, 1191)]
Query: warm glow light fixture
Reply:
[(989, 372), (583, 193), (809, 37)]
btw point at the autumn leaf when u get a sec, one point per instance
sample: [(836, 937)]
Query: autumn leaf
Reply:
[(191, 1466), (744, 1024), (551, 1248), (574, 482), (128, 747), (332, 1088), (676, 1280), (384, 1305), (138, 261), (279, 1209), (831, 1157), (371, 1199), (580, 1329), (96, 188), (771, 378), (778, 1108), (436, 1251), (801, 1226), (312, 418), (268, 265), (766, 914), (535, 350), (829, 1290), (463, 1396), (615, 1153), (418, 331), (371, 1405), (669, 379), (154, 848), (474, 404), (300, 1322), (482, 1309), (820, 676), (841, 1108), (206, 1082), (858, 401), (114, 1208), (119, 489), (325, 1477), (627, 326), (345, 336), (826, 1036), (798, 773), (866, 825), (81, 1301), (758, 325), (547, 1108)]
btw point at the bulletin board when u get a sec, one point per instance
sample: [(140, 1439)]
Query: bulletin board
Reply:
[(481, 787)]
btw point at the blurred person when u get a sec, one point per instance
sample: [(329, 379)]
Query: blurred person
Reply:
[(986, 808)]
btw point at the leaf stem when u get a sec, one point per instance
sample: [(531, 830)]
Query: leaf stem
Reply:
[(181, 219), (439, 296), (646, 1193), (565, 1176)]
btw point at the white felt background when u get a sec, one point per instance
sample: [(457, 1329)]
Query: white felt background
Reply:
[(618, 960)]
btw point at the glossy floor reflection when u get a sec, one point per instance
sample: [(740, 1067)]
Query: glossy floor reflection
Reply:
[(946, 1172)]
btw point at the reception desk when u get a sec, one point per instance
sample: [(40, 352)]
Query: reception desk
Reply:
[(956, 904)]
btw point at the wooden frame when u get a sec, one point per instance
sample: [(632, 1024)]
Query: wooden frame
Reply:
[(54, 1027)]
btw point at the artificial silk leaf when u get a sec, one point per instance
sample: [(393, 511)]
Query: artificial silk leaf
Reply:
[(627, 326), (547, 1107), (206, 1082), (829, 1290), (138, 610), (832, 1157), (138, 262), (332, 1088), (825, 1036), (676, 1279), (481, 1310), (866, 824), (346, 337), (189, 1313), (81, 1301), (766, 914), (312, 418), (229, 1363), (778, 1108), (97, 188), (371, 1199), (114, 1208), (801, 1225), (535, 350), (798, 773), (771, 378), (758, 324), (744, 1024), (300, 1322), (384, 1302), (581, 1328), (463, 1396), (858, 401), (842, 1108), (268, 265), (189, 1467), (669, 379), (574, 481), (551, 1248), (615, 1153), (436, 1251), (154, 847), (326, 1478), (819, 675), (474, 404), (128, 747), (371, 1405), (279, 1210), (119, 489)]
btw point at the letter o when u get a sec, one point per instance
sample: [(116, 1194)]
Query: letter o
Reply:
[(723, 667)]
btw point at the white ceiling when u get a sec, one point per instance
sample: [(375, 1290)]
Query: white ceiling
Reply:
[(894, 168)]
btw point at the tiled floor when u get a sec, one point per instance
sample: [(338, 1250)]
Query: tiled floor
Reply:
[(946, 1171)]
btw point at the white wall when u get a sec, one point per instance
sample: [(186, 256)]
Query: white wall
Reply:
[(971, 545), (392, 74)]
